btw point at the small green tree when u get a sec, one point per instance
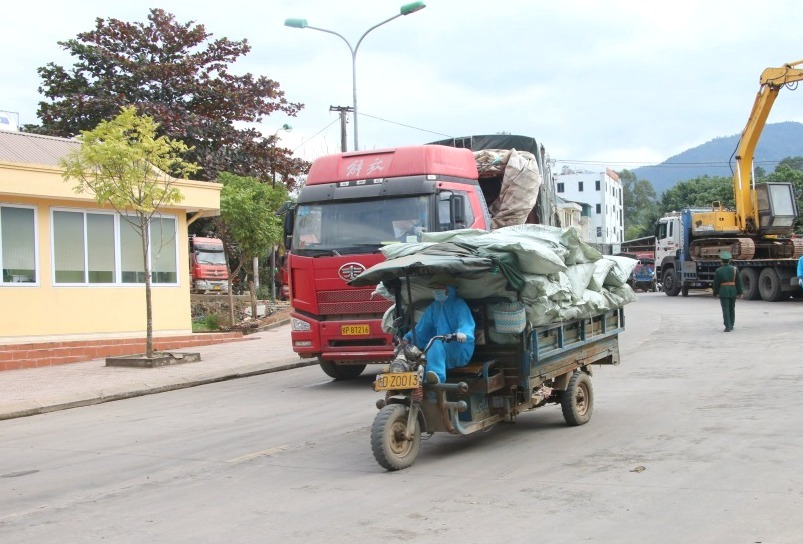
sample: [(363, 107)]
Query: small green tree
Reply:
[(122, 164), (249, 223)]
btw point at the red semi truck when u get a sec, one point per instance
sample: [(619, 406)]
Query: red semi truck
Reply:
[(354, 203), (208, 270)]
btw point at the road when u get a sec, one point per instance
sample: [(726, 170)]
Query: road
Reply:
[(695, 438)]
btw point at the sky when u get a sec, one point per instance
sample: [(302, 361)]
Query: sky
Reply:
[(617, 84)]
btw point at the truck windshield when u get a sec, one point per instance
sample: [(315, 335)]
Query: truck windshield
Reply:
[(210, 257), (358, 226)]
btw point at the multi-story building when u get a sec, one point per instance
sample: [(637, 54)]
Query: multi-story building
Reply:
[(600, 195)]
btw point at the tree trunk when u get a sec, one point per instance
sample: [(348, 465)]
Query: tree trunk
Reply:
[(145, 223), (231, 293)]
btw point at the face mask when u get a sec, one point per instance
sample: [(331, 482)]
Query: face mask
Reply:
[(440, 294)]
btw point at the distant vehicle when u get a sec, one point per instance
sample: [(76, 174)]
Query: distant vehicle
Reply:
[(208, 270)]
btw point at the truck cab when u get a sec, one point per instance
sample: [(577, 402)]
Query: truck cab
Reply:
[(353, 204), (208, 269)]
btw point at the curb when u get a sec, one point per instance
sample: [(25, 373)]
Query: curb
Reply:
[(101, 398), (266, 327)]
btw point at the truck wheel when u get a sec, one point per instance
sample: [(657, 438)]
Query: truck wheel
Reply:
[(340, 371), (684, 290), (392, 450), (671, 283), (749, 278), (577, 401), (769, 284)]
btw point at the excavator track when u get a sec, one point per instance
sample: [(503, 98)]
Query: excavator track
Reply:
[(747, 248), (708, 249)]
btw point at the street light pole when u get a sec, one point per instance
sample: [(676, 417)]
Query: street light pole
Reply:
[(286, 128), (406, 9)]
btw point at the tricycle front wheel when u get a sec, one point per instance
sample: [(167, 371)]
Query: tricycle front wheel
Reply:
[(392, 449), (577, 401)]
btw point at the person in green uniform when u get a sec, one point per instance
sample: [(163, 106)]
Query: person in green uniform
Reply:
[(727, 287)]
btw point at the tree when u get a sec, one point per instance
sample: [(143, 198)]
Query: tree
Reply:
[(177, 75), (699, 192), (640, 205), (123, 164), (249, 225)]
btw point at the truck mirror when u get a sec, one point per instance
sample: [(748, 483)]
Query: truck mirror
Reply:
[(457, 211), (287, 225)]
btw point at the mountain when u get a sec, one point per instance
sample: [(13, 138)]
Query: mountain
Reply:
[(777, 142)]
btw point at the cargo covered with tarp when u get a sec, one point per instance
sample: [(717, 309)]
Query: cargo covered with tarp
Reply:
[(542, 274)]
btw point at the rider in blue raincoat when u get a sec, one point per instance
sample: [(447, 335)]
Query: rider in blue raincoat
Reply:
[(447, 314)]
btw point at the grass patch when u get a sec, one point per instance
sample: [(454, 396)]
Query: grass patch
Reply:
[(209, 323)]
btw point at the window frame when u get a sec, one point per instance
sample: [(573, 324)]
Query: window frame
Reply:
[(36, 264), (118, 272)]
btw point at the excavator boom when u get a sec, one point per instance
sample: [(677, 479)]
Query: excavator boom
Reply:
[(772, 79)]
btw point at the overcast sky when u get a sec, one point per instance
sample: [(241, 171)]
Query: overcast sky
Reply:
[(616, 83)]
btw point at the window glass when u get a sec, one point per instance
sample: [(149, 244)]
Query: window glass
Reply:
[(163, 250), (68, 247), (132, 264), (100, 246), (17, 244)]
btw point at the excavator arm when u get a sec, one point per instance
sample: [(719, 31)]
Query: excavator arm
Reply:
[(772, 79)]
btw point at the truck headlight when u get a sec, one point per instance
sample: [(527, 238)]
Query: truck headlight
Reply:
[(299, 325)]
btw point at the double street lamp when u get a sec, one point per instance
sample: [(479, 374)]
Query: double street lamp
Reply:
[(406, 9)]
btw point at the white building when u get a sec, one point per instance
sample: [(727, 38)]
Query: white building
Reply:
[(600, 195)]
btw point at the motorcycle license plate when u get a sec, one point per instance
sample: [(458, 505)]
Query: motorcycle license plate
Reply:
[(355, 330), (396, 380)]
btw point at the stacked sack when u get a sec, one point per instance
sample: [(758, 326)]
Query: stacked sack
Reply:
[(564, 278)]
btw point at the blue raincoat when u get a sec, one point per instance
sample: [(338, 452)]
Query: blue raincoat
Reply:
[(451, 316)]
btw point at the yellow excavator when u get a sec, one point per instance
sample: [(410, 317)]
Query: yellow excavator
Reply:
[(763, 219)]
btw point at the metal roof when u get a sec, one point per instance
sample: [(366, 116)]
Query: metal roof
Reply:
[(25, 148)]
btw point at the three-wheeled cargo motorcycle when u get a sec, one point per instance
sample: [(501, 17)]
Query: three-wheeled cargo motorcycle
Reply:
[(542, 365)]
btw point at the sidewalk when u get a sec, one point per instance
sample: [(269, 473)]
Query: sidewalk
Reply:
[(39, 390)]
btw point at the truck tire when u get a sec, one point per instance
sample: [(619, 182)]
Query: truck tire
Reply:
[(750, 288), (577, 401), (684, 290), (392, 450), (769, 284), (671, 283), (340, 371)]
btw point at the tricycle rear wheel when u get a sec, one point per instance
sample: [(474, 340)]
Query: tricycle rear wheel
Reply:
[(392, 449), (577, 401)]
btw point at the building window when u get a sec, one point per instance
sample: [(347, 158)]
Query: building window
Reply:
[(599, 208), (599, 232), (596, 185), (560, 187), (163, 251), (104, 248), (580, 186), (18, 245)]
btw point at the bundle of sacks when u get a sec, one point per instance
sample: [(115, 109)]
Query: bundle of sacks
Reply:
[(564, 278)]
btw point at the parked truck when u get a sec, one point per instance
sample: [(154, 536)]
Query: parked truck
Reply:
[(208, 270), (354, 203), (757, 232)]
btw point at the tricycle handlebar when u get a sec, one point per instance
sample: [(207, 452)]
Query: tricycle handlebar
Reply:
[(444, 337)]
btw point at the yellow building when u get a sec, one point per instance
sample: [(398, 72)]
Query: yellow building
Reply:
[(72, 271)]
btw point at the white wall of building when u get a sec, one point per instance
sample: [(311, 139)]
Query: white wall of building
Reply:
[(602, 191)]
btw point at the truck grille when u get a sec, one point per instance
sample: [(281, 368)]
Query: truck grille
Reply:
[(351, 302)]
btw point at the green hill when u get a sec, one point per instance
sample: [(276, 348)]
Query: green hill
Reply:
[(714, 158)]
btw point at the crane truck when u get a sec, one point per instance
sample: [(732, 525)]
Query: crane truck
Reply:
[(757, 232), (354, 203)]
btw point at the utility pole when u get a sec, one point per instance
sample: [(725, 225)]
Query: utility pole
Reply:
[(343, 111)]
